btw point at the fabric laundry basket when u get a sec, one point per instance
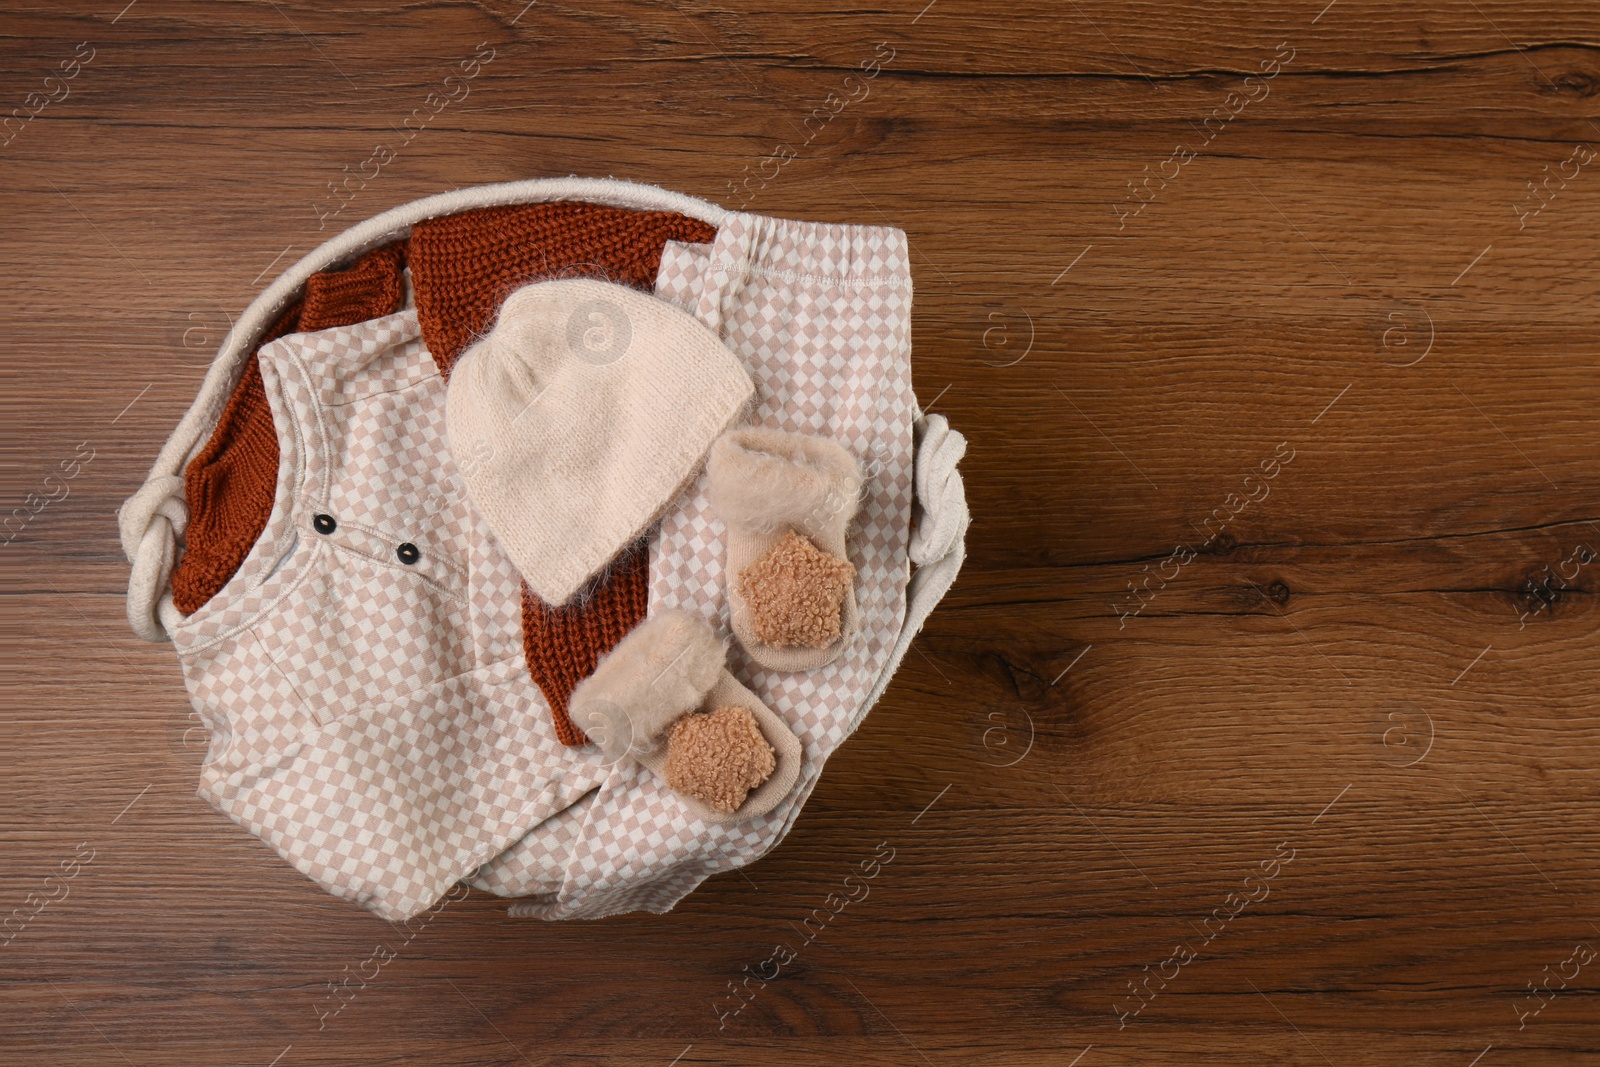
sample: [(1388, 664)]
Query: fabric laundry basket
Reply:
[(386, 697)]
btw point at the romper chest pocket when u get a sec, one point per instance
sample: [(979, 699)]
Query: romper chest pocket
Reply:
[(360, 628)]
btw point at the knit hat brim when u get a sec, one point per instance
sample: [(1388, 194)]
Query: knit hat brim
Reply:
[(580, 417)]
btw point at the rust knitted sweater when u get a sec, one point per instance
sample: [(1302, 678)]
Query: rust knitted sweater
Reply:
[(463, 267)]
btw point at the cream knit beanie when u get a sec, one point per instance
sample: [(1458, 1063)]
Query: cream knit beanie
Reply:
[(580, 416)]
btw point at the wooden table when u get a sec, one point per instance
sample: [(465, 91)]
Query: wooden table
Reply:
[(1262, 724)]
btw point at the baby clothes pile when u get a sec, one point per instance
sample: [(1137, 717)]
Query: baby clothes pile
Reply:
[(547, 537)]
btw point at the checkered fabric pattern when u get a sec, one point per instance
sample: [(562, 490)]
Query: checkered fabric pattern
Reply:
[(372, 720), (820, 314)]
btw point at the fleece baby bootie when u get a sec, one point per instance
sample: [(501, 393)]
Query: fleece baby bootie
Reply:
[(787, 500), (663, 698)]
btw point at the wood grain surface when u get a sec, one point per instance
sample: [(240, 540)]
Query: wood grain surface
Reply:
[(1197, 764)]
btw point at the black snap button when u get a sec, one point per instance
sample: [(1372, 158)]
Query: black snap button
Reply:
[(324, 524), (408, 553)]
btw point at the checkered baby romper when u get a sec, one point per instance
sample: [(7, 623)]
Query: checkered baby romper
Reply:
[(363, 673)]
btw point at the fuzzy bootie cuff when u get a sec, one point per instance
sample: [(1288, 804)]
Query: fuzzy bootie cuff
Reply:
[(662, 669), (769, 481)]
